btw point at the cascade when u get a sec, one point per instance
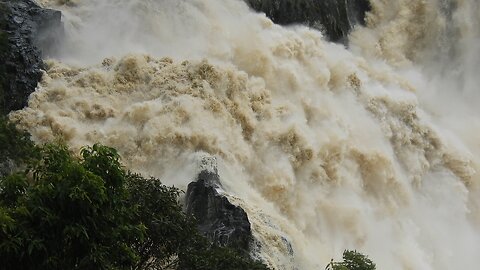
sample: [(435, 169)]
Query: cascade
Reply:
[(372, 147)]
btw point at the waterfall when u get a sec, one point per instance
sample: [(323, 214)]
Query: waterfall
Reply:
[(373, 147)]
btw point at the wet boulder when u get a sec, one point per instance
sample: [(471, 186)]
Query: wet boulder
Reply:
[(219, 220)]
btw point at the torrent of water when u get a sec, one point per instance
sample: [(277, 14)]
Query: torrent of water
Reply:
[(373, 148)]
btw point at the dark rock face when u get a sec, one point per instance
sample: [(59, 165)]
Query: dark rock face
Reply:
[(220, 221), (335, 17), (25, 29)]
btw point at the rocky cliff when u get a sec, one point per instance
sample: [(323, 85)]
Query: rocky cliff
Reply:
[(25, 29), (334, 17)]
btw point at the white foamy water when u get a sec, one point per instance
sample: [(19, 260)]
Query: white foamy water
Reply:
[(371, 148)]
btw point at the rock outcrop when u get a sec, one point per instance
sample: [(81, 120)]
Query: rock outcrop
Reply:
[(25, 30), (334, 17), (219, 220)]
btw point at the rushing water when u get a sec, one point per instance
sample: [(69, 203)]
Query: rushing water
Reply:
[(375, 147)]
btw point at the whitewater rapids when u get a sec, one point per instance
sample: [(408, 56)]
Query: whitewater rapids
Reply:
[(375, 147)]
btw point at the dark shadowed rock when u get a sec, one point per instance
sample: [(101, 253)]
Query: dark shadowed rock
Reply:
[(335, 17), (222, 222), (25, 29)]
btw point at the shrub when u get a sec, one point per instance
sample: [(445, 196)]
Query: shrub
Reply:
[(66, 216), (353, 260)]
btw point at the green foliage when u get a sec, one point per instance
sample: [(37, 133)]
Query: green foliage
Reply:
[(65, 218), (90, 213), (339, 266), (353, 260), (15, 146), (201, 256), (164, 221)]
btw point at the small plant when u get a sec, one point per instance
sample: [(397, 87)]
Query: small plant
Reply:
[(353, 260)]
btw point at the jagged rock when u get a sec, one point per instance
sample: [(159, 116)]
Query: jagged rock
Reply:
[(25, 29), (335, 17), (219, 220)]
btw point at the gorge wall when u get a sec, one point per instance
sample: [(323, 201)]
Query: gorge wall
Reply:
[(25, 27), (336, 18)]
